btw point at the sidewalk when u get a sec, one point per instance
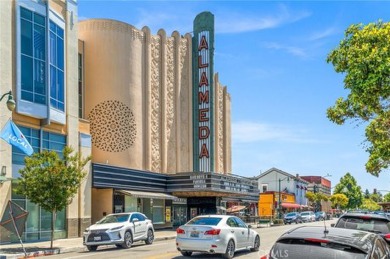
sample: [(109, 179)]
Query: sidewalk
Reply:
[(60, 246)]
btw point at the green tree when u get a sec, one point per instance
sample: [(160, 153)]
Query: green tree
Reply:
[(369, 204), (376, 197), (339, 200), (349, 187), (363, 56), (386, 198), (367, 194), (51, 181)]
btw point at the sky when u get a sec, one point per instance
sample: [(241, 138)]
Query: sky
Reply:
[(271, 56)]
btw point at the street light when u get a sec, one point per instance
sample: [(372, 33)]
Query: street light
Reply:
[(10, 102), (279, 203)]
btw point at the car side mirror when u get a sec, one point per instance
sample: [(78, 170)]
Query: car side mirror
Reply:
[(332, 225), (135, 220), (249, 226)]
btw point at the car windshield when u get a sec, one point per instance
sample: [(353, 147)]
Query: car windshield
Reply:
[(295, 248), (365, 223), (210, 221), (114, 219), (292, 214), (305, 213)]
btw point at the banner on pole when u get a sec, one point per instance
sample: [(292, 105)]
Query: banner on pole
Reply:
[(12, 135)]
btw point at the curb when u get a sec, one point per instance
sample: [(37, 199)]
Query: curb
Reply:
[(62, 250)]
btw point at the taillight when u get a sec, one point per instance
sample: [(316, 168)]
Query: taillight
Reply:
[(180, 231), (264, 257), (387, 237), (212, 232), (316, 240)]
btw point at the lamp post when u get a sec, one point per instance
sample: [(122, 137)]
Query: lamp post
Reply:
[(10, 102), (279, 202)]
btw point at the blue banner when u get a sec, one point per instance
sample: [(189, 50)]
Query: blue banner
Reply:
[(12, 135)]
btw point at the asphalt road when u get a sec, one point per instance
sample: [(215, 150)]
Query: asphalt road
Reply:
[(167, 249)]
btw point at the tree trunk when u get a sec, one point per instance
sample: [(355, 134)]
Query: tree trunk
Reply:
[(53, 220)]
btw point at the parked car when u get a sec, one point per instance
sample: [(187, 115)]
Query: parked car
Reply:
[(325, 243), (368, 222), (292, 217), (216, 234), (320, 215), (120, 229), (308, 216)]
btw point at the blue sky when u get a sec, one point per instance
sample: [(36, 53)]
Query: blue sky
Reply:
[(272, 57)]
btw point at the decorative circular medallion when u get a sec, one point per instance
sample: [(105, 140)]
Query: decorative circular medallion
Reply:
[(113, 127)]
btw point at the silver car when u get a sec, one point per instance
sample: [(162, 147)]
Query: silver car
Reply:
[(216, 234), (308, 216), (120, 229)]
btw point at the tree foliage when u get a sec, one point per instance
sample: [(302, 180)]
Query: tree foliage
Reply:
[(51, 181), (386, 197), (369, 204), (339, 200), (364, 57), (349, 187)]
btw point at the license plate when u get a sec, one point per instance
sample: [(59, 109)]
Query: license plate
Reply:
[(194, 234), (98, 238)]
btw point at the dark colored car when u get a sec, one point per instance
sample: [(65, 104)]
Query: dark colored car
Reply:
[(375, 223), (325, 243), (320, 215), (292, 217)]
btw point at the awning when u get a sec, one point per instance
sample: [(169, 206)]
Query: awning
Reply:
[(151, 195), (235, 208), (290, 205)]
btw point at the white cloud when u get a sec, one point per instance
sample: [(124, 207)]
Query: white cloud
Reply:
[(323, 34), (299, 52), (249, 132), (237, 23)]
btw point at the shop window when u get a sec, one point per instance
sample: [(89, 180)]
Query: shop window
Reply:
[(158, 211), (264, 187)]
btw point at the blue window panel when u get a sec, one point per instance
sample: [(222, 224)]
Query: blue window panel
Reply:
[(39, 42), (39, 98), (39, 77), (26, 37), (53, 81), (53, 52), (26, 14), (60, 53), (57, 138), (27, 73), (27, 96), (60, 32), (39, 19), (53, 27), (60, 85)]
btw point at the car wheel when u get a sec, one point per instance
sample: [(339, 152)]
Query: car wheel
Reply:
[(256, 244), (128, 240), (186, 253), (92, 248), (150, 237), (230, 248)]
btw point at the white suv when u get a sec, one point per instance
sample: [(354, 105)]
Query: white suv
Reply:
[(120, 229)]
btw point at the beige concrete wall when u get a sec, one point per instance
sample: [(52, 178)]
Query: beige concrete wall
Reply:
[(103, 203), (150, 77)]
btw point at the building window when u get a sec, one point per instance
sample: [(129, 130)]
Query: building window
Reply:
[(158, 211), (36, 55), (33, 56), (56, 67), (38, 221), (81, 86), (264, 187)]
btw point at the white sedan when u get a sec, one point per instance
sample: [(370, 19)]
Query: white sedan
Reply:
[(216, 234), (120, 229)]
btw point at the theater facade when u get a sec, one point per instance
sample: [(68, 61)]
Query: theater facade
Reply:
[(148, 108)]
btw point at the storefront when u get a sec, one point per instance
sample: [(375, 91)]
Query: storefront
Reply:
[(169, 200)]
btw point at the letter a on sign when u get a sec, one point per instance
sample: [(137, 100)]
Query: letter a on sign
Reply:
[(204, 152)]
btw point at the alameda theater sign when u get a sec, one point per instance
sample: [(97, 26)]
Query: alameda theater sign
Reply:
[(203, 57)]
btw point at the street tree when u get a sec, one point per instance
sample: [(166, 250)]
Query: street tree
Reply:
[(349, 187), (369, 204), (367, 194), (316, 198), (52, 181), (386, 198), (339, 200), (363, 56), (376, 197)]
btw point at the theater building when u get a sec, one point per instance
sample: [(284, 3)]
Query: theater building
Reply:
[(149, 109)]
